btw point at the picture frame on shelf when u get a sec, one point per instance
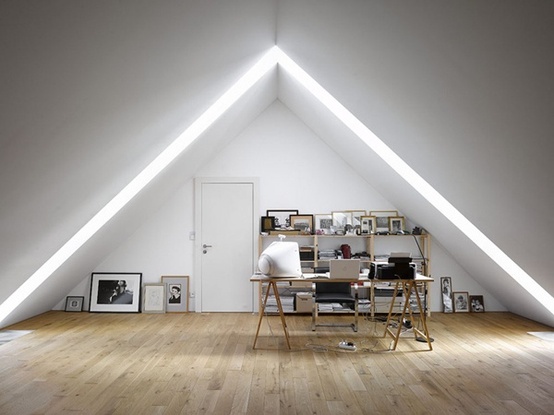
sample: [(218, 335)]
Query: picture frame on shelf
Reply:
[(74, 303), (267, 223), (302, 223), (176, 293), (446, 293), (153, 298), (323, 223), (115, 292), (282, 217), (368, 225), (396, 224), (461, 301), (382, 219), (356, 217), (341, 219), (476, 303)]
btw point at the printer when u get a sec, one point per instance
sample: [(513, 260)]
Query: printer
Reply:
[(398, 267)]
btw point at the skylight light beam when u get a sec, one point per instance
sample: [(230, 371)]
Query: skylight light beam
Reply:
[(418, 183), (181, 143)]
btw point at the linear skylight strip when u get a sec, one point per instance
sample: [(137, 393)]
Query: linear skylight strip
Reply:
[(418, 183), (182, 142)]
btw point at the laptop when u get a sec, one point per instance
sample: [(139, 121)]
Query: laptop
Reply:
[(344, 269)]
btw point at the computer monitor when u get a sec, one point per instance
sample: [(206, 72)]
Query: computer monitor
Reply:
[(281, 259)]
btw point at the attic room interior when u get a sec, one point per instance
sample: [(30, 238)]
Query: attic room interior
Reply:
[(138, 138)]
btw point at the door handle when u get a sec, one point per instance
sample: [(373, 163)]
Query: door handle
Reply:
[(206, 246)]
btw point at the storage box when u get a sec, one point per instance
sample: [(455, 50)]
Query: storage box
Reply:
[(304, 302)]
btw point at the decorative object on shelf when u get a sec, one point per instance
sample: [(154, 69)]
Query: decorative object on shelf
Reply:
[(446, 290), (153, 298), (461, 301), (368, 225), (382, 219), (323, 223), (282, 217), (113, 292), (396, 224), (476, 303), (74, 303), (302, 223), (346, 251), (176, 293), (267, 223), (417, 230)]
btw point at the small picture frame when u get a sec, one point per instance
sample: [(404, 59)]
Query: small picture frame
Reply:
[(382, 219), (176, 293), (115, 292), (368, 225), (446, 293), (282, 217), (461, 301), (302, 223), (267, 223), (153, 298), (323, 223), (476, 304), (74, 303), (396, 224)]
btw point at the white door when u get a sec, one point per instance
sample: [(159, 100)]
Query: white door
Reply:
[(225, 250)]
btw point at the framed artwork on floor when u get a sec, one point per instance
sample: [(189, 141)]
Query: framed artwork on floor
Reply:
[(461, 301), (115, 292), (153, 298), (446, 292), (74, 303), (477, 304), (176, 293)]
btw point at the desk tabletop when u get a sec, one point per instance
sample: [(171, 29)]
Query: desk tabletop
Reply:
[(308, 278)]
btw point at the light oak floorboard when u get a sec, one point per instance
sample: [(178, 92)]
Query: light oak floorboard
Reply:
[(194, 363)]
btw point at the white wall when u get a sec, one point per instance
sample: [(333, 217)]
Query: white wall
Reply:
[(296, 170)]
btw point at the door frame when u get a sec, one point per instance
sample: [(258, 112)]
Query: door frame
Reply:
[(198, 182)]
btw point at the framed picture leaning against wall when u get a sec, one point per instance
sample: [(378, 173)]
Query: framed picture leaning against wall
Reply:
[(115, 292), (176, 293)]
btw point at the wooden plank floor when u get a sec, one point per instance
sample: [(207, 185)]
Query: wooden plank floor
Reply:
[(83, 363)]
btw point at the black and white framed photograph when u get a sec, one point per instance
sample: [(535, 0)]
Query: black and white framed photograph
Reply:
[(476, 303), (368, 225), (382, 219), (115, 292), (74, 303), (461, 301), (323, 223), (396, 224), (176, 293), (446, 292), (282, 217), (153, 298), (302, 223)]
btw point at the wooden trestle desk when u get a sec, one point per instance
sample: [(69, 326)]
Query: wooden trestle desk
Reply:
[(408, 287)]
